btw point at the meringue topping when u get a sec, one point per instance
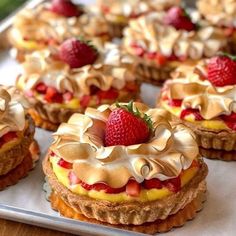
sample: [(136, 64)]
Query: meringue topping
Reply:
[(153, 35), (164, 156), (12, 110), (189, 85)]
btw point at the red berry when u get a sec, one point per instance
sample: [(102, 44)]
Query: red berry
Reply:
[(139, 51), (221, 71), (160, 59), (67, 96), (41, 88), (152, 183), (65, 8), (107, 189), (173, 185), (65, 164), (177, 17), (84, 101), (9, 136), (77, 53), (133, 188), (53, 96), (125, 128), (175, 102), (151, 55), (73, 178), (111, 94), (190, 111), (230, 120)]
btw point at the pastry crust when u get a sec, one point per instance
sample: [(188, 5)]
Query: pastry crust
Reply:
[(115, 29), (218, 154), (179, 219), (12, 157), (127, 213)]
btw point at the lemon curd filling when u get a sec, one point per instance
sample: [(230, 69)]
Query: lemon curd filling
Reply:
[(145, 194), (216, 124)]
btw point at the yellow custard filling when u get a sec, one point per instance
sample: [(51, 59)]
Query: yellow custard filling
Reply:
[(145, 195), (209, 124)]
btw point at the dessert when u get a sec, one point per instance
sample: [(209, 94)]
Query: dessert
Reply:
[(162, 41), (221, 14), (61, 81), (18, 150), (126, 166), (203, 98), (119, 13), (53, 22)]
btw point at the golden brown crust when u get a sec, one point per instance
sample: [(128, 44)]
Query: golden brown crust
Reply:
[(127, 212), (17, 173), (115, 29), (10, 158), (179, 219), (218, 154)]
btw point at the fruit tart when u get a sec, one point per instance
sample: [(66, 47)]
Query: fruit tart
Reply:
[(203, 98), (18, 150), (221, 14), (126, 166), (61, 81), (161, 41), (119, 13), (53, 22)]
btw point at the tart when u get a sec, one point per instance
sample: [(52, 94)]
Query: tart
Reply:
[(52, 23), (161, 41), (221, 14), (203, 98), (119, 13), (18, 150), (126, 166), (61, 81)]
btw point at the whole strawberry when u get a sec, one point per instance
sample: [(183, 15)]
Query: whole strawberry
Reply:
[(77, 53), (65, 8), (126, 127), (177, 17), (222, 70)]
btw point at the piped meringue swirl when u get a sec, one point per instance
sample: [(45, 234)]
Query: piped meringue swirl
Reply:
[(190, 84), (164, 156), (12, 110), (112, 69), (153, 35), (219, 12)]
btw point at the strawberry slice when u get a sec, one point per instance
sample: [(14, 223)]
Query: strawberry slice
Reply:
[(67, 96), (190, 111), (174, 185), (41, 88), (133, 188), (107, 189), (53, 96), (152, 183), (84, 102), (231, 117), (65, 164), (9, 137), (175, 102), (73, 178)]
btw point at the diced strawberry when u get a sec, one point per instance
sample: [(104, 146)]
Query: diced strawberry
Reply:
[(133, 188), (161, 59), (84, 102), (105, 9), (93, 90), (29, 93), (152, 183), (9, 136), (67, 96), (73, 178), (151, 55), (231, 117), (173, 185), (173, 57), (190, 111), (139, 51), (231, 125), (41, 88), (175, 102), (111, 94), (229, 31), (132, 86), (53, 96), (65, 164), (86, 186), (106, 188)]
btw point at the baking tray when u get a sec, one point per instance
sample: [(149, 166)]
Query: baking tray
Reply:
[(26, 201)]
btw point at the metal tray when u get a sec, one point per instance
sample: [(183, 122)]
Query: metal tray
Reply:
[(26, 201)]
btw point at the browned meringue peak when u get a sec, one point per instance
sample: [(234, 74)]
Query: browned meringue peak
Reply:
[(219, 12), (12, 110), (41, 24), (80, 141), (112, 69), (150, 33), (187, 85)]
